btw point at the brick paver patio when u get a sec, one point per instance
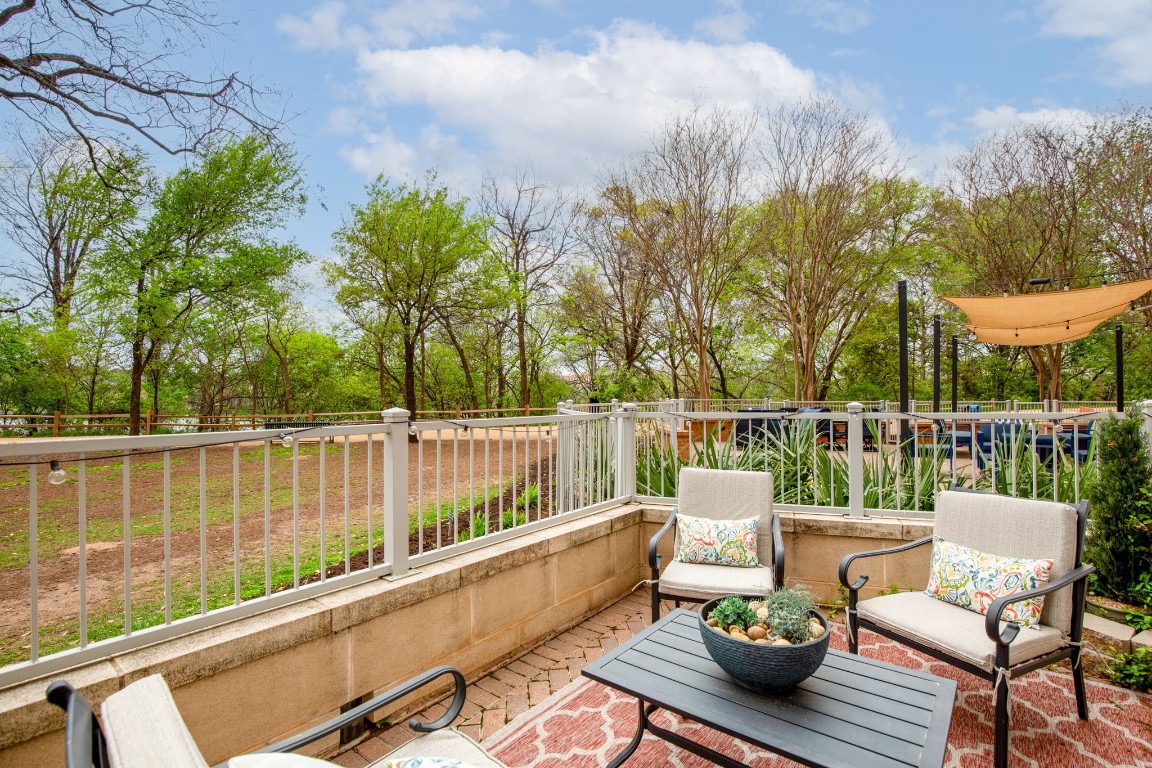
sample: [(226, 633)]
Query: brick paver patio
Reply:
[(523, 683)]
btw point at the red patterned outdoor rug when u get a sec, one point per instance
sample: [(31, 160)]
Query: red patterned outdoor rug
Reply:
[(586, 724)]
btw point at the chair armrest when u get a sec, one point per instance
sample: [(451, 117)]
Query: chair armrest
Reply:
[(992, 618), (362, 711), (654, 544), (777, 553), (847, 561)]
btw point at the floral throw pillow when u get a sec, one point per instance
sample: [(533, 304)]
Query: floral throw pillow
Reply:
[(426, 762), (973, 579), (717, 542)]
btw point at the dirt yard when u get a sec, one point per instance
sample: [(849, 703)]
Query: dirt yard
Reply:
[(483, 469)]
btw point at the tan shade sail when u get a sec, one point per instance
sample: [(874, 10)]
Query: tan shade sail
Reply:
[(1050, 317)]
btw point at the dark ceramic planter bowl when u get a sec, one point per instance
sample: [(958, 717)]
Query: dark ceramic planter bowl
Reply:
[(759, 667)]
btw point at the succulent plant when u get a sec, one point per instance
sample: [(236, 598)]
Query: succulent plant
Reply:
[(734, 610), (789, 611)]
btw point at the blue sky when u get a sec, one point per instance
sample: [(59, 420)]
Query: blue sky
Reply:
[(569, 87)]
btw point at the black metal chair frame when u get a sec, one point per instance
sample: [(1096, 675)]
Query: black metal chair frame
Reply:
[(655, 559), (85, 745), (1077, 578)]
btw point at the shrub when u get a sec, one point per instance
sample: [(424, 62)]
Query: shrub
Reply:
[(1119, 539), (1132, 670)]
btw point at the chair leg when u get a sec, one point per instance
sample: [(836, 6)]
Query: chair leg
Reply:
[(1078, 684), (655, 602), (1000, 738)]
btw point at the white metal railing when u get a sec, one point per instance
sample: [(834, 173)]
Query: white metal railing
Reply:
[(873, 462), (149, 537)]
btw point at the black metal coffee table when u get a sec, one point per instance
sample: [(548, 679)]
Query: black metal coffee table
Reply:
[(853, 712)]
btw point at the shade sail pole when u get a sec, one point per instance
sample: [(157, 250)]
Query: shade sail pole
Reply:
[(902, 295), (955, 372), (936, 363), (1119, 368)]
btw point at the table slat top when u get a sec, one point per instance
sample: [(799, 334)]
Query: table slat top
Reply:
[(853, 712)]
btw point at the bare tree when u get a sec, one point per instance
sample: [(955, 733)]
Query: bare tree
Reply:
[(833, 232), (610, 301), (95, 68), (531, 234), (1019, 208), (1116, 160), (681, 199), (59, 212)]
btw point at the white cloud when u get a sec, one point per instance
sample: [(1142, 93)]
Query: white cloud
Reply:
[(323, 29), (596, 106), (729, 24), (1123, 27), (834, 15), (399, 24), (997, 118)]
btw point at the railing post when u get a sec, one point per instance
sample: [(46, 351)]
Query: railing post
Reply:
[(56, 424), (1146, 407), (855, 459), (396, 489), (563, 459), (626, 451)]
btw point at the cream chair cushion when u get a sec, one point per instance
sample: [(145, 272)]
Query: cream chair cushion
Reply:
[(955, 630), (446, 742), (143, 728)]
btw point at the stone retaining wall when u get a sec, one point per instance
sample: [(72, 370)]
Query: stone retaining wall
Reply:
[(258, 679)]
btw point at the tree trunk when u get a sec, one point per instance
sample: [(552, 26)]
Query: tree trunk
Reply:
[(464, 366), (522, 353), (137, 380), (410, 380), (381, 377)]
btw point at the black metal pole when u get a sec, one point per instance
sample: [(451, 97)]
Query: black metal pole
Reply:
[(1119, 368), (936, 363), (955, 372), (902, 296)]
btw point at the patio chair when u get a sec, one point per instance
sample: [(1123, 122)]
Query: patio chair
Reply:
[(985, 645), (143, 729), (720, 496)]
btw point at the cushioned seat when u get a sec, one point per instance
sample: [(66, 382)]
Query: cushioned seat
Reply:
[(447, 742), (719, 495), (956, 632), (703, 582)]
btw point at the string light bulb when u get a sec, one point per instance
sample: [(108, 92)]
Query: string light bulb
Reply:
[(412, 428), (286, 440), (56, 476)]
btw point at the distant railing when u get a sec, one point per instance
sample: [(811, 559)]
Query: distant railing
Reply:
[(59, 424)]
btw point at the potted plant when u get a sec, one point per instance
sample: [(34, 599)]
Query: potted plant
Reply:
[(767, 644)]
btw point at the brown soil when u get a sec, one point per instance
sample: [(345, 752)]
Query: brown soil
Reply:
[(429, 471)]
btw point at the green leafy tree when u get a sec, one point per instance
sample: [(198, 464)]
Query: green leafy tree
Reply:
[(208, 236), (1119, 540), (406, 257)]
